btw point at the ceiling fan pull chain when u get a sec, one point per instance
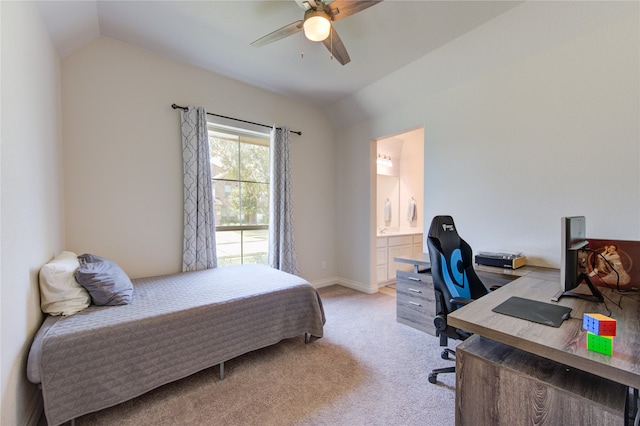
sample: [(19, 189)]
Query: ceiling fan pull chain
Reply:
[(302, 46)]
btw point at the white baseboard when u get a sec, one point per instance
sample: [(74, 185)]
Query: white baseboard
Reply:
[(364, 288), (325, 282)]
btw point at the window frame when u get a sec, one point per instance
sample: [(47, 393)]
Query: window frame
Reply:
[(246, 135)]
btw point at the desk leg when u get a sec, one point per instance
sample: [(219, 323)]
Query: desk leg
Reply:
[(632, 412)]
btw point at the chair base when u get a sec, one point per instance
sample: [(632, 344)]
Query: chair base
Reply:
[(446, 352), (433, 376)]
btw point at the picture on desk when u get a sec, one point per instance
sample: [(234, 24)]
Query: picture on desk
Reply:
[(610, 263)]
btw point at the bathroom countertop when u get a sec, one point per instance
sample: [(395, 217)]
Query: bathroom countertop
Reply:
[(399, 232)]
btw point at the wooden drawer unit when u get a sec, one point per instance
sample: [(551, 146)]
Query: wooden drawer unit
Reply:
[(415, 300), (526, 389)]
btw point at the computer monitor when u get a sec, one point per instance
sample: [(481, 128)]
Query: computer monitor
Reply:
[(573, 260)]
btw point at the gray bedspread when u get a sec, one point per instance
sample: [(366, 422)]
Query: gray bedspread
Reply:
[(176, 325)]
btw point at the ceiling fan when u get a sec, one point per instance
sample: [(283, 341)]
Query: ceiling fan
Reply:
[(317, 24)]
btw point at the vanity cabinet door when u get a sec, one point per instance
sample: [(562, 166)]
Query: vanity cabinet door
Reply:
[(381, 264), (381, 259), (400, 246), (417, 244)]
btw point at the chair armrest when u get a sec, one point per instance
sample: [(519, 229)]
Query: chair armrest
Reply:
[(461, 301)]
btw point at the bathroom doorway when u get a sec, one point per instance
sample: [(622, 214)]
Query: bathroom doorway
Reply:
[(399, 204)]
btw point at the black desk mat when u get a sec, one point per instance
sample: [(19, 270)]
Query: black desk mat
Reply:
[(533, 310)]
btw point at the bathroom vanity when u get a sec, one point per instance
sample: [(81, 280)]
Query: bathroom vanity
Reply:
[(391, 245)]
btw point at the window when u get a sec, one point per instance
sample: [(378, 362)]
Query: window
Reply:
[(240, 178)]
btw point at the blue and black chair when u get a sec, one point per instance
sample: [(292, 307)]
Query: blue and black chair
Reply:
[(455, 282)]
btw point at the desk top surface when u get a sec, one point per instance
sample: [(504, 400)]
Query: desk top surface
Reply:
[(421, 259), (566, 344)]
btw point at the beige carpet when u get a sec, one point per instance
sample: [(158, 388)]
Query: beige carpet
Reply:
[(367, 370)]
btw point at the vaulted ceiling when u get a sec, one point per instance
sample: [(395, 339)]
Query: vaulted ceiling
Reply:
[(217, 35)]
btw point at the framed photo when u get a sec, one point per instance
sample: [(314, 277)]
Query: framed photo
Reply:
[(614, 263)]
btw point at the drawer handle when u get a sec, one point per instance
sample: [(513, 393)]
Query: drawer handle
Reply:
[(415, 290), (415, 304), (414, 279)]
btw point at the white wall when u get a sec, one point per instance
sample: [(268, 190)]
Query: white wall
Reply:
[(412, 177), (32, 226), (530, 117), (123, 161)]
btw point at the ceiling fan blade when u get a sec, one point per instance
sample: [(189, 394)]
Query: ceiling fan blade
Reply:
[(334, 44), (283, 32), (339, 9)]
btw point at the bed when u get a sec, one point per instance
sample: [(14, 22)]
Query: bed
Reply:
[(174, 326)]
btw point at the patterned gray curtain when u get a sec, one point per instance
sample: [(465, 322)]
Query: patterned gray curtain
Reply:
[(282, 253), (199, 247)]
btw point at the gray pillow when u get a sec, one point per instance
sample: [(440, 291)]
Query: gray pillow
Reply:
[(105, 281)]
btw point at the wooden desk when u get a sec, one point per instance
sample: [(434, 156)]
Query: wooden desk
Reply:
[(566, 344), (415, 301)]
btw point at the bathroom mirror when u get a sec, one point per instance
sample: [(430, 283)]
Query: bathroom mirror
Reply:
[(388, 202)]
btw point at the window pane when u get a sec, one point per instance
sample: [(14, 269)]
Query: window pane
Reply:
[(226, 197), (238, 247), (240, 180), (254, 162), (225, 163), (229, 247), (255, 203), (256, 246)]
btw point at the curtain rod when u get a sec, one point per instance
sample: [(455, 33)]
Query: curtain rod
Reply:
[(174, 106)]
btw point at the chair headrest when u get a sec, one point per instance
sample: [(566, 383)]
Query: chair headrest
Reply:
[(444, 230)]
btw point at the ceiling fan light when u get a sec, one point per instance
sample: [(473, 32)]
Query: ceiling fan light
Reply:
[(317, 26)]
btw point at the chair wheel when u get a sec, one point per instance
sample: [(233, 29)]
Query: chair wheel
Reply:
[(444, 355), (433, 378)]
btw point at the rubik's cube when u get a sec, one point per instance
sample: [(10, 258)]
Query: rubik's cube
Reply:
[(600, 332), (599, 324)]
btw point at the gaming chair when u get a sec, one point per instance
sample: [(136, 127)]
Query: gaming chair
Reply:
[(455, 281)]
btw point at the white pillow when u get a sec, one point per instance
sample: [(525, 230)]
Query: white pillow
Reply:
[(60, 293)]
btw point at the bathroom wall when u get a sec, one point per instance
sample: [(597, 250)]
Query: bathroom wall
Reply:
[(388, 202), (412, 178)]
